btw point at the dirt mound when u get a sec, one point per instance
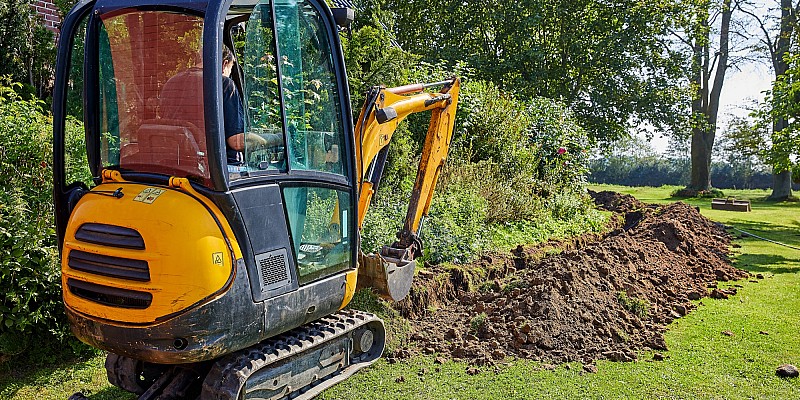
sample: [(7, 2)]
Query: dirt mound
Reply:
[(616, 202), (592, 299)]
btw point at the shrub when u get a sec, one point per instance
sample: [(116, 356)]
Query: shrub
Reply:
[(30, 290), (29, 280), (455, 227), (689, 193), (527, 151), (654, 170), (27, 48), (516, 169)]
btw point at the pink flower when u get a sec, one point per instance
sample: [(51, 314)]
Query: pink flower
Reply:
[(561, 150)]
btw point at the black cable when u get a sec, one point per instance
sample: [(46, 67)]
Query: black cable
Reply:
[(117, 193)]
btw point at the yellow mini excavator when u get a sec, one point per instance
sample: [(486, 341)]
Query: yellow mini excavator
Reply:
[(213, 251)]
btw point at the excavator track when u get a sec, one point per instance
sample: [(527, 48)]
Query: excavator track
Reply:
[(300, 363)]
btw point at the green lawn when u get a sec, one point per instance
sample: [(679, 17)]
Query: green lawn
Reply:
[(702, 363)]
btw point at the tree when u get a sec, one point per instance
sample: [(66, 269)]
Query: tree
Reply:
[(776, 43), (783, 104), (741, 148), (27, 49), (608, 61), (705, 65)]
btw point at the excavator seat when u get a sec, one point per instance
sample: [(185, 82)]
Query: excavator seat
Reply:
[(173, 146)]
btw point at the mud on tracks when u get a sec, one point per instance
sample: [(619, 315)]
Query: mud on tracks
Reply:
[(592, 297)]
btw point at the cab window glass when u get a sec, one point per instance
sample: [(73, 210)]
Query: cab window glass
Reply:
[(75, 156), (151, 94), (264, 150), (319, 221), (313, 111)]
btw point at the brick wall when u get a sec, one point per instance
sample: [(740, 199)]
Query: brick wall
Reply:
[(49, 14)]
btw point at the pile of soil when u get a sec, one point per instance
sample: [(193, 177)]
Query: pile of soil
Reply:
[(595, 297)]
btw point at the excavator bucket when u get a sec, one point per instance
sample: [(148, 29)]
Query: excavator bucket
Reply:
[(389, 277)]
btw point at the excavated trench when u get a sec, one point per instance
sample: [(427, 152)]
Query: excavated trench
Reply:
[(588, 298)]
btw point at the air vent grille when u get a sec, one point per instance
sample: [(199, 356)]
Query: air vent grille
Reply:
[(110, 296), (273, 270), (115, 267), (110, 235)]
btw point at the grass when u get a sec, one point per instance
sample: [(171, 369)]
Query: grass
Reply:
[(702, 363), (639, 307), (57, 374)]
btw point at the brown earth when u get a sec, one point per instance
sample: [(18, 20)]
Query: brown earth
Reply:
[(593, 297)]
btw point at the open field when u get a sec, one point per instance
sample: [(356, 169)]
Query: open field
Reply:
[(701, 361)]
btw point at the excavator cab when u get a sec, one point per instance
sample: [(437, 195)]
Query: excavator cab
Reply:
[(154, 107), (223, 215)]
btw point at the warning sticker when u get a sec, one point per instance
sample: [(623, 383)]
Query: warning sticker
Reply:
[(149, 195), (216, 258)]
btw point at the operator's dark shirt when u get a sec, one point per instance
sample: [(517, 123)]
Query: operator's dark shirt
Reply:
[(234, 116)]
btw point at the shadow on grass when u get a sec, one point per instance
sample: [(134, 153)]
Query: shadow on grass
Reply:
[(780, 233), (17, 373), (11, 382), (51, 364), (111, 393), (771, 263)]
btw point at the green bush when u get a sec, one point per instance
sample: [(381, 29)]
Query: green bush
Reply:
[(27, 49), (528, 151), (30, 289), (515, 172), (455, 228)]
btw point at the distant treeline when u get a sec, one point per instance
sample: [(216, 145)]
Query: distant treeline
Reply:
[(658, 171)]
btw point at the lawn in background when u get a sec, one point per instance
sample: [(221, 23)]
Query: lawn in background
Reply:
[(701, 363)]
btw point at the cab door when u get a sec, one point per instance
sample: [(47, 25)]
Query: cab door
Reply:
[(295, 186)]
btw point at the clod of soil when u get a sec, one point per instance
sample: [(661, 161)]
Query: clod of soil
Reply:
[(597, 297), (787, 371)]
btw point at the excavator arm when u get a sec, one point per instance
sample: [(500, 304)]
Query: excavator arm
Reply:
[(390, 272)]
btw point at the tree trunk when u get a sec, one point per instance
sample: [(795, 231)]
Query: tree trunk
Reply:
[(781, 185), (782, 179), (707, 106), (702, 142)]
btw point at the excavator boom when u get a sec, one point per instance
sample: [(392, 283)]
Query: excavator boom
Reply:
[(390, 272)]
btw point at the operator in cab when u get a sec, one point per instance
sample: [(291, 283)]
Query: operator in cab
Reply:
[(179, 103), (234, 117)]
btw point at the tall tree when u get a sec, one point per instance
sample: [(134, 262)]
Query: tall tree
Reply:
[(705, 102), (776, 44), (609, 61)]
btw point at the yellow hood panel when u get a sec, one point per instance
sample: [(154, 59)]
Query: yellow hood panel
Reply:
[(187, 256)]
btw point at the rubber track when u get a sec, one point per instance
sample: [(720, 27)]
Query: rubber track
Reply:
[(229, 375)]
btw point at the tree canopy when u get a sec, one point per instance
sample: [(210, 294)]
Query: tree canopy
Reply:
[(610, 62)]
